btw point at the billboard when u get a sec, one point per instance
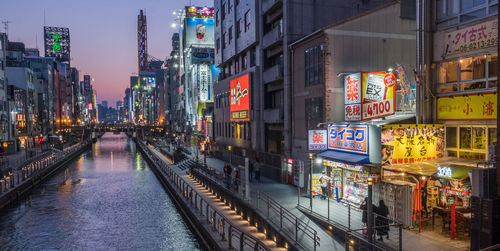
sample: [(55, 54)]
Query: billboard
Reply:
[(239, 96), (57, 43), (369, 95), (471, 39), (403, 144), (199, 12), (317, 139), (204, 83), (468, 107), (202, 55), (348, 138), (199, 31)]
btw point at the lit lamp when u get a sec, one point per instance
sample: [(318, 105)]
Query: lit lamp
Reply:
[(230, 155), (310, 180), (370, 210)]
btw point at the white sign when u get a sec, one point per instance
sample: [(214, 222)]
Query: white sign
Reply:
[(444, 171), (352, 97), (317, 140), (203, 83), (375, 88), (298, 173)]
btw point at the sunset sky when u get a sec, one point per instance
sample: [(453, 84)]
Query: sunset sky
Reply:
[(103, 34)]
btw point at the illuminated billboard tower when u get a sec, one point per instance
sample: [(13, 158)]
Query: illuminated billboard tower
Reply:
[(57, 43), (142, 57)]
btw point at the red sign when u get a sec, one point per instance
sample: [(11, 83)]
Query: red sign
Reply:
[(389, 80), (240, 98)]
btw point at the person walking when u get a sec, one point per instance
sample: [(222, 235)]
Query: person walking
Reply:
[(227, 172), (236, 178), (250, 170), (382, 222), (324, 183), (257, 169)]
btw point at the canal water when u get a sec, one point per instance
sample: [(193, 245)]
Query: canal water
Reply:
[(107, 199)]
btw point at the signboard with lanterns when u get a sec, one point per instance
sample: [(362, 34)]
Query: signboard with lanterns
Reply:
[(369, 95)]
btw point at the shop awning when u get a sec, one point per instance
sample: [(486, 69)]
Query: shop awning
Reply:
[(348, 158)]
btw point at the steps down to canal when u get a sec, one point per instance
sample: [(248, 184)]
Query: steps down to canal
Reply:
[(225, 224)]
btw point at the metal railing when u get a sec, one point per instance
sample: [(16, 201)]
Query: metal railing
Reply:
[(293, 227), (219, 224), (33, 169)]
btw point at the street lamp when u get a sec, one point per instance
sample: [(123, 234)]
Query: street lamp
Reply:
[(310, 181), (370, 210), (230, 154)]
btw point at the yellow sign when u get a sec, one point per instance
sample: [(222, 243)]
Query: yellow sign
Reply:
[(468, 107), (404, 144)]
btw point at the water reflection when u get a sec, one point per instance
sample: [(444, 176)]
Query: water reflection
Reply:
[(106, 200)]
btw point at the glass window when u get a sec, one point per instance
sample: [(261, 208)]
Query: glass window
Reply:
[(472, 155), (473, 15), (479, 138), (313, 65), (472, 86), (442, 72), (465, 138), (451, 137), (492, 65), (452, 71), (492, 136), (453, 7), (479, 67), (494, 9), (465, 69), (493, 84), (441, 9), (447, 88)]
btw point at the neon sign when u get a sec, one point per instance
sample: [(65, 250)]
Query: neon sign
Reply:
[(348, 138)]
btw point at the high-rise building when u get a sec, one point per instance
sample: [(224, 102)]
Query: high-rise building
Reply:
[(104, 103)]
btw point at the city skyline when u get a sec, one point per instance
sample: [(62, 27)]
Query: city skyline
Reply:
[(111, 56)]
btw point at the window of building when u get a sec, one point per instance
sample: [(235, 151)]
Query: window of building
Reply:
[(253, 57), (453, 12), (218, 45), (470, 142), (217, 18), (237, 2), (467, 74), (314, 65), (237, 65), (224, 40), (223, 11), (244, 62), (229, 6), (232, 130), (230, 32), (247, 20), (314, 112), (238, 28)]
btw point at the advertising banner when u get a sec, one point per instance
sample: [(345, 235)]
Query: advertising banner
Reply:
[(403, 144), (468, 107), (239, 96), (199, 31), (348, 138), (199, 12), (405, 82), (369, 95), (204, 83), (202, 55), (57, 43), (470, 39), (317, 140)]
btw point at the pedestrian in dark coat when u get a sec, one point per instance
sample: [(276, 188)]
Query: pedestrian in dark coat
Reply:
[(382, 222)]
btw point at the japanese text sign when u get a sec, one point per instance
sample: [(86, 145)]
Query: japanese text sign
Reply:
[(348, 138), (57, 43), (474, 38), (240, 98), (470, 107), (204, 83), (403, 144), (317, 140), (369, 95), (199, 12)]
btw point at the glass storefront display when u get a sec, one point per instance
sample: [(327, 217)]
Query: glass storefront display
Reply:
[(347, 182), (355, 186), (469, 142)]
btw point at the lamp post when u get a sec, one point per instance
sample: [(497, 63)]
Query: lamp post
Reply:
[(370, 210), (230, 155), (310, 181)]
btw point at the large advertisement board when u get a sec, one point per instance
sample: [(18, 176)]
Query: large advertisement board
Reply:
[(473, 38), (469, 107), (348, 138), (404, 144), (239, 96), (204, 83), (369, 95), (199, 31), (199, 12), (57, 43)]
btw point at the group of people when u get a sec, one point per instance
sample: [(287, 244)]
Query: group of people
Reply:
[(381, 221), (254, 172)]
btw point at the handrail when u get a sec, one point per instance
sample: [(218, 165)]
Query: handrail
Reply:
[(490, 248), (294, 220), (211, 213)]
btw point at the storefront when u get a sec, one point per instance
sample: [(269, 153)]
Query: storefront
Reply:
[(349, 149)]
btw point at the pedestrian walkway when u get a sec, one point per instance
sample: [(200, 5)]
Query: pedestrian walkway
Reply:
[(224, 212), (348, 216)]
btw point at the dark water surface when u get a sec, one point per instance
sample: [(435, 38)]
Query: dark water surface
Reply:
[(107, 199)]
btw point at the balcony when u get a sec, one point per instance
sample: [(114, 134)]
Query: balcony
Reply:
[(275, 73), (269, 4), (272, 37), (273, 116)]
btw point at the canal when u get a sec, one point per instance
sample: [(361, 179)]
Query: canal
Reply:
[(107, 199)]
